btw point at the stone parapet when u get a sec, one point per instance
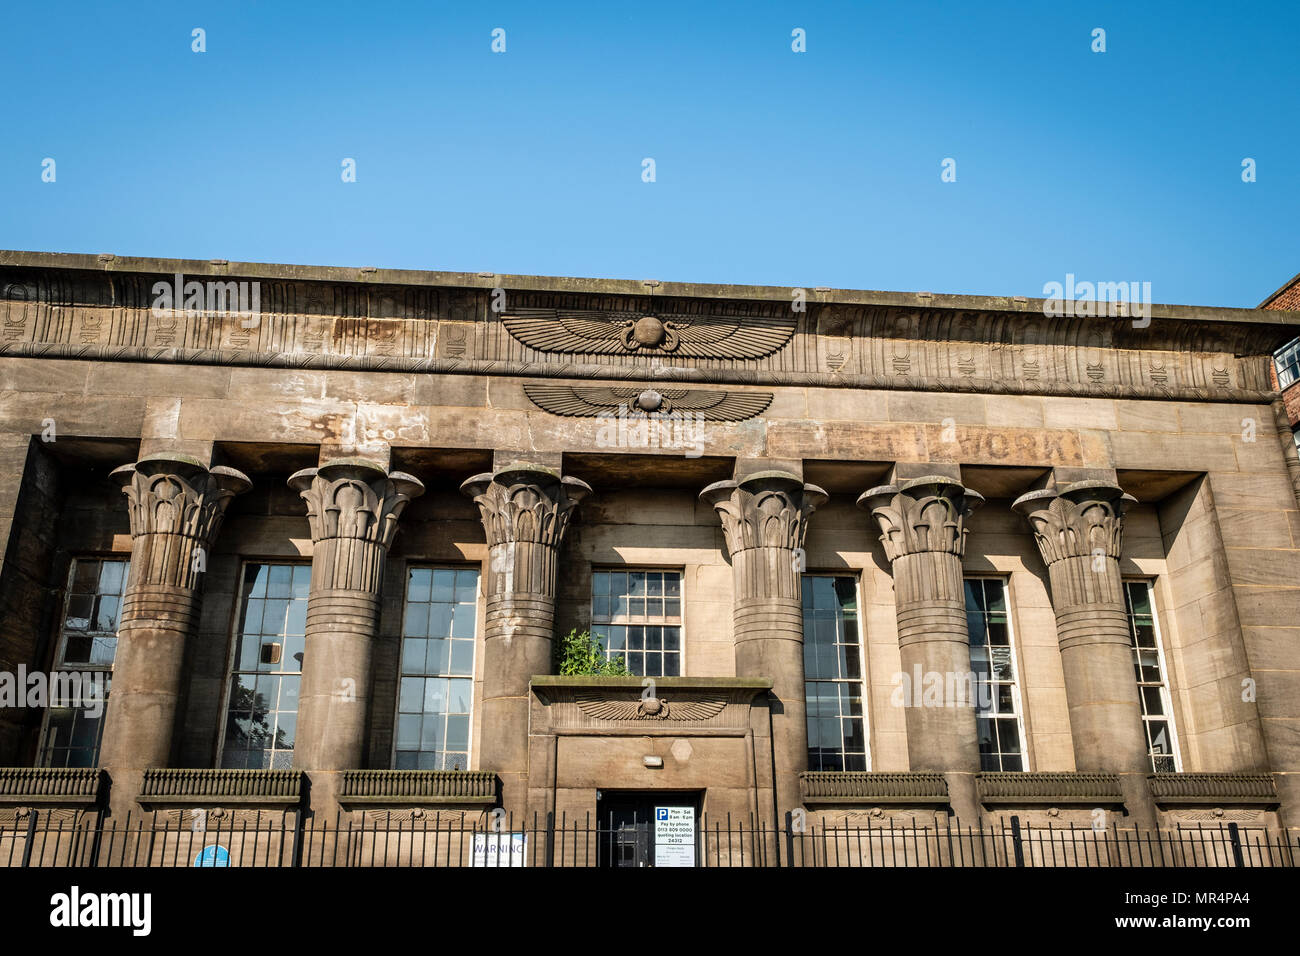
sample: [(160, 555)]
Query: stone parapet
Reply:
[(1169, 789), (418, 787), (221, 787), (1055, 789), (63, 786), (872, 788)]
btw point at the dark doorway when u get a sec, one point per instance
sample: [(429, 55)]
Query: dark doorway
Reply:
[(648, 828)]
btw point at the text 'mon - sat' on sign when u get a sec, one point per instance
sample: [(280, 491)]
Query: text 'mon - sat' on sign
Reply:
[(674, 836)]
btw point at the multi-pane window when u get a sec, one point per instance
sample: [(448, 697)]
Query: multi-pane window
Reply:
[(87, 646), (637, 615), (262, 711), (832, 664), (993, 663), (1149, 669), (1287, 361), (437, 671)]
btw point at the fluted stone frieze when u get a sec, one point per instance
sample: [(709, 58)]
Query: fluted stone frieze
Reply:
[(176, 505), (923, 529), (526, 510), (1079, 530), (353, 506), (764, 523)]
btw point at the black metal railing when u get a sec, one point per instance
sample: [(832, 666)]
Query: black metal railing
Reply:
[(454, 839)]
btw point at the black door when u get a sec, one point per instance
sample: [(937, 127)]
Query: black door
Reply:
[(627, 825)]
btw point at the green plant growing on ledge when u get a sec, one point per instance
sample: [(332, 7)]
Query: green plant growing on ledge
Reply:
[(581, 655)]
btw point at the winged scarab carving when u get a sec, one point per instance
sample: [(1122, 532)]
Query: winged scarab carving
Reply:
[(601, 332), (711, 405), (601, 707)]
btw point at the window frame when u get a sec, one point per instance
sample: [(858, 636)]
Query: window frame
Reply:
[(474, 702), (1287, 357), (680, 571), (1016, 690), (856, 577), (1166, 687), (235, 629), (60, 651)]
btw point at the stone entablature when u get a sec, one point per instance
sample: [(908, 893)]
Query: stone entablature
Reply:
[(627, 706), (1055, 789), (101, 308), (872, 788), (223, 787), (1217, 789), (64, 786)]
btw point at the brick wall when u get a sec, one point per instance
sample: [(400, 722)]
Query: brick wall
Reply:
[(1286, 299)]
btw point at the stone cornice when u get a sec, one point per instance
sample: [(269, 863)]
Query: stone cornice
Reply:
[(442, 366), (108, 264), (81, 307)]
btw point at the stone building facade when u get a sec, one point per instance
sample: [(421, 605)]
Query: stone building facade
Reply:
[(866, 554)]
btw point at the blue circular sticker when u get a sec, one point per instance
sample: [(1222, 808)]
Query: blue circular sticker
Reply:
[(213, 856)]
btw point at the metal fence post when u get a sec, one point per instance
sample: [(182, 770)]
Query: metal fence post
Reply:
[(295, 859), (31, 837), (1015, 841), (1234, 835)]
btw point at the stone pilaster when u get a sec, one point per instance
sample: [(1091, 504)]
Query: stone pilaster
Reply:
[(176, 506), (764, 521), (1287, 440), (1079, 529), (353, 506), (923, 528), (526, 509)]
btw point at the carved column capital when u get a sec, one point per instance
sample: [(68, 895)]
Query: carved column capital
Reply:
[(355, 498), (176, 505), (769, 509), (1077, 520), (922, 515), (525, 503), (178, 495)]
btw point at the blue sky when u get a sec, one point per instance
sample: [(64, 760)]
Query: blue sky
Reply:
[(772, 167)]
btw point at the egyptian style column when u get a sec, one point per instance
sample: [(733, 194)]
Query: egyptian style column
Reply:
[(1079, 529), (923, 528), (176, 505), (764, 522), (353, 505), (526, 510)]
